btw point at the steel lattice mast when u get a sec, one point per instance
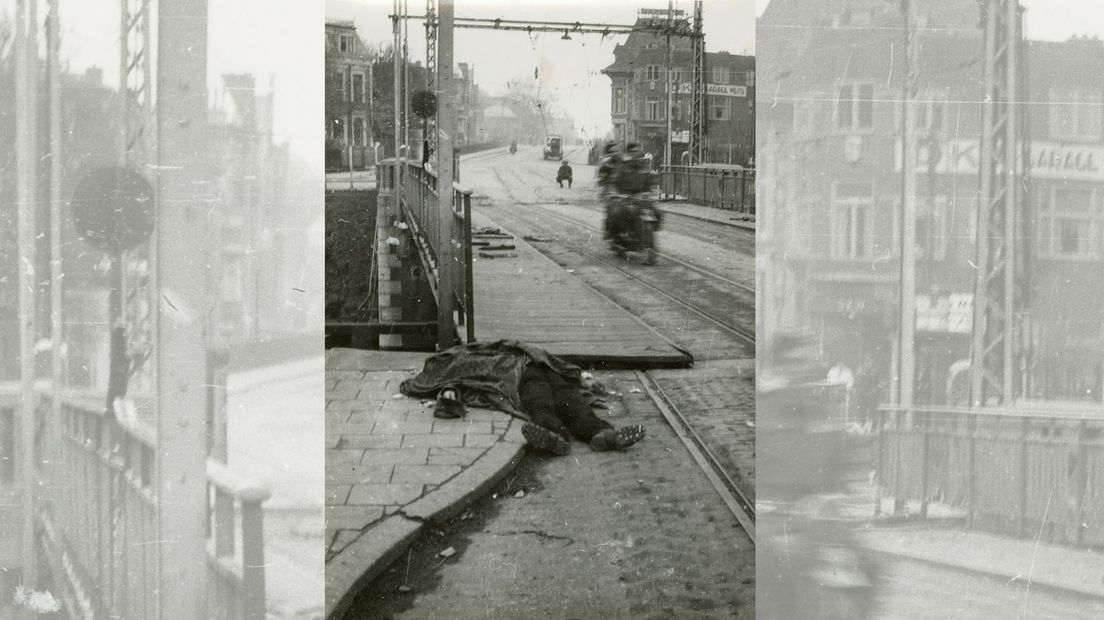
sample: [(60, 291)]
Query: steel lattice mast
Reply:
[(1001, 284), (134, 305), (431, 66), (697, 89)]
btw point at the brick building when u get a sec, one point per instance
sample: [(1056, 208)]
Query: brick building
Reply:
[(831, 181), (638, 88), (348, 76)]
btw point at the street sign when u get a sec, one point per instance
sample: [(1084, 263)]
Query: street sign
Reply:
[(1048, 160), (716, 90), (951, 314), (682, 137), (113, 209), (424, 104)]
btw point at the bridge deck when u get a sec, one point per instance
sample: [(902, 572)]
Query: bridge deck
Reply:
[(529, 297)]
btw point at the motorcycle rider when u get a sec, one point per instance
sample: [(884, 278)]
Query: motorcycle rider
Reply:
[(513, 147), (632, 175), (611, 159)]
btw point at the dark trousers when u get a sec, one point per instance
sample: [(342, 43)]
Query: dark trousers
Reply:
[(556, 404)]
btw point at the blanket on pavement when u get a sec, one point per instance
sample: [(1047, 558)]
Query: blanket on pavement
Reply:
[(487, 374)]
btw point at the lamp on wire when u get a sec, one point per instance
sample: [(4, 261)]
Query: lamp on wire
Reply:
[(566, 36)]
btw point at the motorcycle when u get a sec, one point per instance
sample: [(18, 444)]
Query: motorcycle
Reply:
[(636, 220), (812, 560)]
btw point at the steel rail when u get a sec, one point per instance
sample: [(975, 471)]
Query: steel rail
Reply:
[(736, 502), (737, 331)]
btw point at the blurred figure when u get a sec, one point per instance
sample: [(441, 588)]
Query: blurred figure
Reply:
[(808, 563)]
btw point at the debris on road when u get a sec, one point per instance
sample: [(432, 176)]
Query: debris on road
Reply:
[(447, 553), (519, 494)]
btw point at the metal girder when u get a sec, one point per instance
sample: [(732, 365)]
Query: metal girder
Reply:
[(134, 306), (431, 67), (678, 28), (1001, 284), (697, 90)]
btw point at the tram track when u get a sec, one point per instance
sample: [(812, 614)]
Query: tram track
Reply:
[(741, 507), (711, 316)]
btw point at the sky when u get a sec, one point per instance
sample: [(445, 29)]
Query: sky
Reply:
[(570, 70)]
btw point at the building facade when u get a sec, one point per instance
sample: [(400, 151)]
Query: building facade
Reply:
[(638, 89), (469, 110), (832, 185), (348, 76)]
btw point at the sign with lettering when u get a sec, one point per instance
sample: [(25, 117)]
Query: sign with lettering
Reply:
[(716, 90), (953, 313), (1048, 160), (661, 12), (681, 136)]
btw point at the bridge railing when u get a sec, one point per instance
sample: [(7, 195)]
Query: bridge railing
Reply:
[(1032, 470), (99, 520), (419, 209), (720, 187)]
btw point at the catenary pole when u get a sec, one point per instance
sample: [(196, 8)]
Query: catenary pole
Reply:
[(446, 127)]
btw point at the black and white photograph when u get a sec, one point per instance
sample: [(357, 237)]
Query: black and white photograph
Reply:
[(540, 309), (929, 278), (161, 305)]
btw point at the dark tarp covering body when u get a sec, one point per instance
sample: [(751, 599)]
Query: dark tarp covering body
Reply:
[(487, 374)]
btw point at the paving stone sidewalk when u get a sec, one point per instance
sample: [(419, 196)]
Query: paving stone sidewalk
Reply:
[(391, 467), (710, 214), (1011, 559)]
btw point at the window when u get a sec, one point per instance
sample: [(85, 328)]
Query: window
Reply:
[(345, 44), (653, 110), (676, 112), (855, 106), (852, 234), (930, 111), (720, 76), (619, 101), (1069, 222), (337, 129), (1075, 114), (719, 109), (358, 88), (651, 72), (358, 132)]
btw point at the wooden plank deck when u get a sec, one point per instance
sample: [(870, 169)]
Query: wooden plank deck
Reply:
[(532, 299)]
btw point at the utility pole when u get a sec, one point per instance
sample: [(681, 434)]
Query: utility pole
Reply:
[(26, 75), (907, 294), (184, 328), (667, 141), (396, 58), (446, 128), (53, 34), (406, 78)]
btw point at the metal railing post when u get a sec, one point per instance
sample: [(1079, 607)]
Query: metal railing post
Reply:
[(469, 292), (253, 568)]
